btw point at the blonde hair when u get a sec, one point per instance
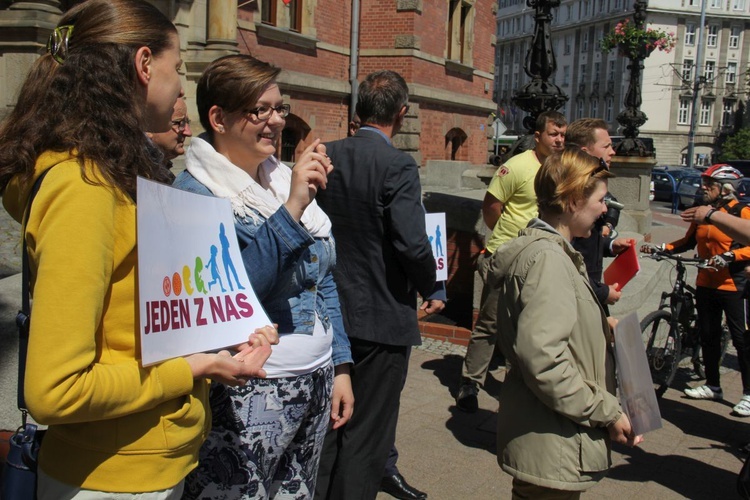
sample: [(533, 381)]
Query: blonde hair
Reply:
[(567, 177)]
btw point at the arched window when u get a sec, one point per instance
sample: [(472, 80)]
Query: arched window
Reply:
[(454, 141), (293, 134)]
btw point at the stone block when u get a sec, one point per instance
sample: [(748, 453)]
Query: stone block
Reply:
[(409, 5), (407, 42)]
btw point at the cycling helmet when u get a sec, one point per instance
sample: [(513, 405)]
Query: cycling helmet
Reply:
[(722, 173)]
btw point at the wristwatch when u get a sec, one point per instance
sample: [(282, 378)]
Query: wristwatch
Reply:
[(707, 218)]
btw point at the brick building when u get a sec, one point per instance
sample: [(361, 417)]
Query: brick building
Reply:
[(445, 50)]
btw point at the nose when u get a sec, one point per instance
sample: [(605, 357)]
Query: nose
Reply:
[(276, 118), (187, 132)]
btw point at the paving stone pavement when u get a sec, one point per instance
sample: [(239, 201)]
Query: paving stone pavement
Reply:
[(10, 244), (451, 454)]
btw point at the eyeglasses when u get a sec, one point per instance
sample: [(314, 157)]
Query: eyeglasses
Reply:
[(57, 44), (601, 168), (179, 126), (263, 113)]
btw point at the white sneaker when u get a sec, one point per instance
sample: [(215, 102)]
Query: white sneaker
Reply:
[(743, 407), (705, 392)]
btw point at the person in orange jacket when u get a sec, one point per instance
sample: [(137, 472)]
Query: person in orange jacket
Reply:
[(722, 289)]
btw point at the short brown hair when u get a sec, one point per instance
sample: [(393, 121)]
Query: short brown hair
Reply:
[(567, 177), (234, 83), (557, 119), (581, 132)]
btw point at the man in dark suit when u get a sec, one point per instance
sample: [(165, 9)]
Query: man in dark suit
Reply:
[(373, 198)]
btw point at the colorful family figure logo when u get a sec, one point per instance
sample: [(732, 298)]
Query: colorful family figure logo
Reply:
[(192, 280), (436, 243)]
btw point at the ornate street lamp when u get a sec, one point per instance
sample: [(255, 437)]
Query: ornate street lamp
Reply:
[(631, 118), (540, 94)]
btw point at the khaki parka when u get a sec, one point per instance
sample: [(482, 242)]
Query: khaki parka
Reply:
[(558, 396)]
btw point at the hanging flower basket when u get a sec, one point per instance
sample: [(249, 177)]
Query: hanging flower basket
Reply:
[(637, 43)]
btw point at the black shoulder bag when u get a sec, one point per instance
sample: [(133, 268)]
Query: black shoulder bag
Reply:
[(20, 471)]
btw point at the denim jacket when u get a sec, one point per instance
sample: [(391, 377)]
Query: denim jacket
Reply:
[(291, 272)]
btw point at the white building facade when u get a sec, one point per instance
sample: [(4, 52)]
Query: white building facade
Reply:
[(596, 83)]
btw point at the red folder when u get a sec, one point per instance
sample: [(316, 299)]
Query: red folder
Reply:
[(623, 268)]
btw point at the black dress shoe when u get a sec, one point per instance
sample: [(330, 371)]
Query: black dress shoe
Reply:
[(396, 486)]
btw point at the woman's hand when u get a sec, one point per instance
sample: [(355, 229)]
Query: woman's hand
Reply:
[(309, 174), (622, 432), (229, 370), (342, 399)]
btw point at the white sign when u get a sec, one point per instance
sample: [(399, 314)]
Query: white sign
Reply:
[(637, 394), (499, 128), (194, 293), (435, 225)]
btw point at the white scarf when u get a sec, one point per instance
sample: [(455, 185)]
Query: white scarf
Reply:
[(226, 180)]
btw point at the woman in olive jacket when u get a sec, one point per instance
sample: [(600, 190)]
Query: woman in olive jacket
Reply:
[(558, 410)]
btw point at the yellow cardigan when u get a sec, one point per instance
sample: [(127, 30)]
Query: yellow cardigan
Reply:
[(113, 424)]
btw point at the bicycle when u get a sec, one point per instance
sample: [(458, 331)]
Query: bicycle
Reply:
[(670, 333)]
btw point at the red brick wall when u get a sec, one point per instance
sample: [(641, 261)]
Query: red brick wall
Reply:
[(380, 24)]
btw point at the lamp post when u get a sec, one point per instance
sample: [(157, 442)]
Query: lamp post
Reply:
[(540, 94), (632, 117), (697, 82)]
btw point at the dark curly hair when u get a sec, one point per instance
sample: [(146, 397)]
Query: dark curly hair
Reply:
[(88, 104)]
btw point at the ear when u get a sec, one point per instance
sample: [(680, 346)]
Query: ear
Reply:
[(536, 136), (216, 118), (143, 59)]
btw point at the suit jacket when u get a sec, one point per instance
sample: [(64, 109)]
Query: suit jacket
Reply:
[(373, 199)]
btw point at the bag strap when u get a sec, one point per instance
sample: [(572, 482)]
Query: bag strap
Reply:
[(23, 318)]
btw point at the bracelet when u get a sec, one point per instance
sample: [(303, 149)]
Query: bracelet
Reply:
[(707, 218)]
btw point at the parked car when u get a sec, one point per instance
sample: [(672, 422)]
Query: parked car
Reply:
[(662, 182), (689, 189), (743, 191)]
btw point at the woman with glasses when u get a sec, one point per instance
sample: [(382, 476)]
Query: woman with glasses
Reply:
[(117, 429), (558, 409), (267, 437)]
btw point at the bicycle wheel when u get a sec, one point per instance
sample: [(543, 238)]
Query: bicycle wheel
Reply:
[(662, 348)]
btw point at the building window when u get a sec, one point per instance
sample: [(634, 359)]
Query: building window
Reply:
[(709, 71), (594, 108), (292, 136), (568, 44), (689, 34), (705, 113), (727, 113), (738, 4), (282, 15), (713, 35), (611, 73), (579, 110), (608, 110), (454, 140), (585, 41), (460, 31), (734, 37), (716, 4), (595, 76), (731, 75), (582, 74), (687, 70), (683, 112), (618, 4), (566, 76)]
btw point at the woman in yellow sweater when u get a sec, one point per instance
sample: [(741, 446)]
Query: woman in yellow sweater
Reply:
[(109, 74)]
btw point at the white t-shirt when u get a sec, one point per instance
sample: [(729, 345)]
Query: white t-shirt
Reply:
[(298, 354)]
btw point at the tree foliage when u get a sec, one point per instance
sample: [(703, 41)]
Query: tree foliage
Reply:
[(737, 146)]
